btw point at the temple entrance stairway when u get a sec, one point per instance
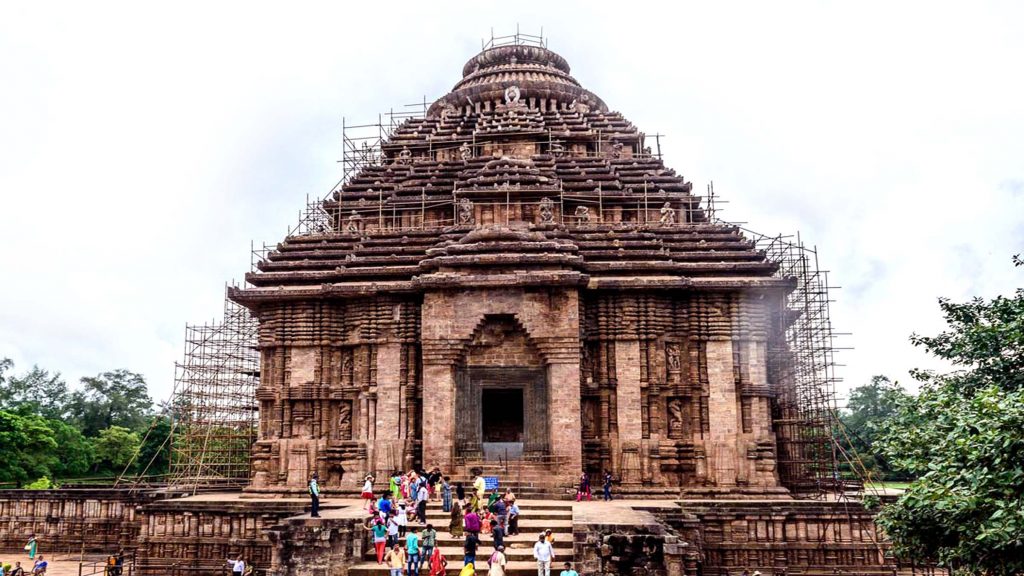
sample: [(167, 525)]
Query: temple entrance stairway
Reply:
[(535, 517)]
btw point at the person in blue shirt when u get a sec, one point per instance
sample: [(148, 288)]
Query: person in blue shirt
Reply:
[(412, 549), (314, 496), (384, 506), (569, 571)]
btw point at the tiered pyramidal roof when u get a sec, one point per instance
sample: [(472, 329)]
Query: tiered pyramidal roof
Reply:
[(518, 176)]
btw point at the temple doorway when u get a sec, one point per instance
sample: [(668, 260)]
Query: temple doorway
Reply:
[(501, 395), (502, 423)]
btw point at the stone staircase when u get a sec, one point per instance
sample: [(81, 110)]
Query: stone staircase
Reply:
[(535, 517), (529, 480)]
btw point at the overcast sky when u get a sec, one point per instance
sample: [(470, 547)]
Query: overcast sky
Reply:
[(142, 147)]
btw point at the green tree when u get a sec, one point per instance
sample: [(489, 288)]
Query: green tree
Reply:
[(964, 435), (115, 447), (73, 456), (115, 398), (869, 407), (36, 392), (155, 454), (26, 447)]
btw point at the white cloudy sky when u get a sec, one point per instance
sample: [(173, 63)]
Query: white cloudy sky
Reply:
[(143, 147)]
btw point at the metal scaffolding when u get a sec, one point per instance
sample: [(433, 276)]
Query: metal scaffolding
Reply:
[(802, 367), (214, 410)]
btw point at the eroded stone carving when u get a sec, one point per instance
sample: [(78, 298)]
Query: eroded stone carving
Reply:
[(582, 214), (465, 211), (668, 214), (355, 222), (547, 210)]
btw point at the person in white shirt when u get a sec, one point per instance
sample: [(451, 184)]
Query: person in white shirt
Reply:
[(422, 496), (544, 554), (237, 566)]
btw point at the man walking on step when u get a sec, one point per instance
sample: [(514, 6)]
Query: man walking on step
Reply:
[(544, 554)]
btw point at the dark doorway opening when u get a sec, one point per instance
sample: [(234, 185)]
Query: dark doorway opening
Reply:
[(502, 414)]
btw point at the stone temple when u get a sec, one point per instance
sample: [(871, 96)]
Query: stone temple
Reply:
[(512, 281), (519, 277)]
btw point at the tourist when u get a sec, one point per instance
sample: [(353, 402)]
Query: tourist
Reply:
[(396, 560), (468, 570), (455, 525), (549, 536), (497, 562), (497, 534), (469, 548), (513, 519), (314, 496), (428, 541), (479, 487), (584, 489), (422, 496), (412, 545), (460, 492), (433, 480), (368, 491), (437, 562), (394, 484), (18, 570), (380, 538), (485, 521), (40, 566), (446, 494), (237, 566), (568, 570), (472, 522), (384, 506), (2, 568), (31, 547), (607, 486), (402, 518), (544, 553), (492, 500), (501, 513), (392, 529), (510, 496)]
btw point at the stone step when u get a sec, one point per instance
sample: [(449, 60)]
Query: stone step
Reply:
[(526, 525), (521, 568)]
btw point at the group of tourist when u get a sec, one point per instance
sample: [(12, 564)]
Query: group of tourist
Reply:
[(400, 514)]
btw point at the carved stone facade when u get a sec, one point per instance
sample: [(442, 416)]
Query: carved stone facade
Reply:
[(633, 331)]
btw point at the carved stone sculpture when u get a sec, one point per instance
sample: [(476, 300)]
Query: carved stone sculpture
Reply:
[(668, 214), (354, 223), (465, 211), (465, 151), (582, 214), (547, 211)]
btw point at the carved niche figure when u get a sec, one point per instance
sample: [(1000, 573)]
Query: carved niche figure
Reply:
[(465, 211), (668, 214), (465, 151), (449, 111), (354, 222), (405, 156), (512, 95), (616, 151), (675, 418), (345, 420), (582, 214), (672, 356), (547, 210), (557, 150)]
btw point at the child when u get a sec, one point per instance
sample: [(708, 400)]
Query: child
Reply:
[(402, 519), (368, 491)]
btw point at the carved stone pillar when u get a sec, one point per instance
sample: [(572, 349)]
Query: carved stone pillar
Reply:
[(723, 414), (388, 444)]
